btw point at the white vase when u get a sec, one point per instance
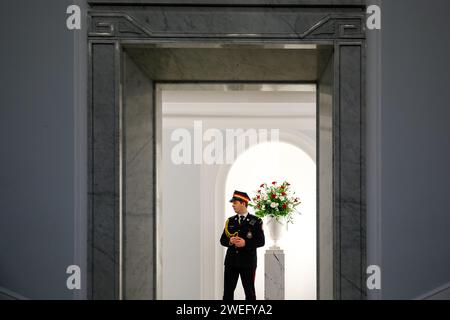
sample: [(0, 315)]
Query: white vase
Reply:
[(277, 228)]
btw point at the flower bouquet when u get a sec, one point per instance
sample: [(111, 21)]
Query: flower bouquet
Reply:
[(277, 201), (277, 204)]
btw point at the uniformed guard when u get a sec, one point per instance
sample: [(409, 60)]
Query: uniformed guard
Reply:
[(243, 233)]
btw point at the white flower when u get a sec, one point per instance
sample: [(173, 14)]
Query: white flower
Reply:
[(265, 197), (290, 206), (274, 205), (263, 207), (282, 198)]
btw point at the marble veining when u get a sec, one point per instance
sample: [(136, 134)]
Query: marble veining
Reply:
[(274, 275)]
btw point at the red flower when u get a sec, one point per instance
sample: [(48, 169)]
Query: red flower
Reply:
[(282, 187), (257, 206), (283, 193), (274, 196), (262, 185), (274, 183), (284, 206), (259, 191), (258, 197)]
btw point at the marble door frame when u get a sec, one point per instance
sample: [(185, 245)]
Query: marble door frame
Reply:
[(116, 272)]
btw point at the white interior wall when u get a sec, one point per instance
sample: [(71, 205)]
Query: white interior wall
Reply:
[(192, 214)]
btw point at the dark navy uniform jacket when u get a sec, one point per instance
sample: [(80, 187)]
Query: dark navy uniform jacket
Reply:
[(251, 231)]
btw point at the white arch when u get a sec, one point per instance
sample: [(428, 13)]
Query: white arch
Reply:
[(216, 177)]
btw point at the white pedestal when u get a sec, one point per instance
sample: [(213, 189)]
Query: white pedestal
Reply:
[(274, 274)]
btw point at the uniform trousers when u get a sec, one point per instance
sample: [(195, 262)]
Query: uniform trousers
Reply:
[(231, 277)]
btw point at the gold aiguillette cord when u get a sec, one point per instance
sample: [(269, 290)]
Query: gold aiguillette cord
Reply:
[(229, 235)]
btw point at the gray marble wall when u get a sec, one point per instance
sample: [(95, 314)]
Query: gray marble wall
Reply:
[(138, 185), (104, 181), (349, 208), (233, 63), (325, 241)]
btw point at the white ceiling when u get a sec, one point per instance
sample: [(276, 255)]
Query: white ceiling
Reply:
[(234, 104)]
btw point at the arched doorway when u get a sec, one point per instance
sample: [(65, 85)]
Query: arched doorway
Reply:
[(280, 161)]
